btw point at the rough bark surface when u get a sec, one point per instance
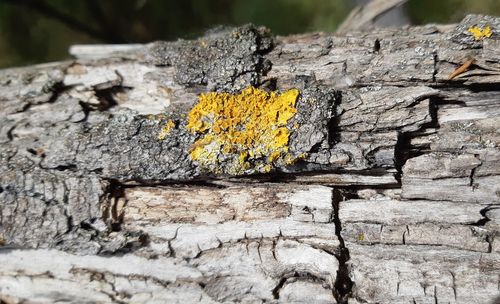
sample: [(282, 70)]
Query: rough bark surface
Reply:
[(396, 198)]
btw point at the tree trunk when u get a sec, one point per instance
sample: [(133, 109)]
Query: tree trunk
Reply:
[(385, 189)]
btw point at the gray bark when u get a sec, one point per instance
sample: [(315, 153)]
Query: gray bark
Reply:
[(396, 199)]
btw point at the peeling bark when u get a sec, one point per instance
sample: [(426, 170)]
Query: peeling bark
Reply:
[(395, 200)]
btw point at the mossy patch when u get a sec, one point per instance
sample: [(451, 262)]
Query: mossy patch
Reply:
[(242, 133)]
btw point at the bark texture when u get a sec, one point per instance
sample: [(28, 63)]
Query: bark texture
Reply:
[(395, 198)]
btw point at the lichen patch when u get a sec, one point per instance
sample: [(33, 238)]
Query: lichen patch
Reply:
[(167, 128), (480, 33), (242, 133)]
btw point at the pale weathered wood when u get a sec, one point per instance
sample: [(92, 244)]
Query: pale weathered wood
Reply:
[(395, 199), (363, 16)]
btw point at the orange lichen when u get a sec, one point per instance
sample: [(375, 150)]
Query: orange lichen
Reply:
[(166, 129), (479, 33), (247, 131)]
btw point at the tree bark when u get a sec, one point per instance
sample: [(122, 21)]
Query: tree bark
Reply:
[(395, 197)]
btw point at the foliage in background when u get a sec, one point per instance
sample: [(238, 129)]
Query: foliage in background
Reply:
[(34, 31), (449, 11)]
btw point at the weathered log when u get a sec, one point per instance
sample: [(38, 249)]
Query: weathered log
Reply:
[(384, 189)]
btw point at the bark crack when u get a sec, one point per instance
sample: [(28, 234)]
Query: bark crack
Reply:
[(472, 184), (343, 283), (295, 275), (454, 285)]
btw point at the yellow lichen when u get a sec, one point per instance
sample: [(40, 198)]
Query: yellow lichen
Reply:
[(166, 129), (479, 33), (247, 131)]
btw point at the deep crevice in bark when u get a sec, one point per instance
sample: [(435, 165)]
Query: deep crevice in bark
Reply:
[(485, 219), (403, 149), (107, 97), (483, 87), (276, 290), (216, 183), (401, 154), (110, 210), (436, 66), (343, 283), (297, 276)]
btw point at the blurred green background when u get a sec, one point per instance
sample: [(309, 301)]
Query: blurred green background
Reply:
[(33, 31)]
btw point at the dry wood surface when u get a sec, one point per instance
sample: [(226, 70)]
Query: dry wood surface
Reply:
[(395, 197)]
